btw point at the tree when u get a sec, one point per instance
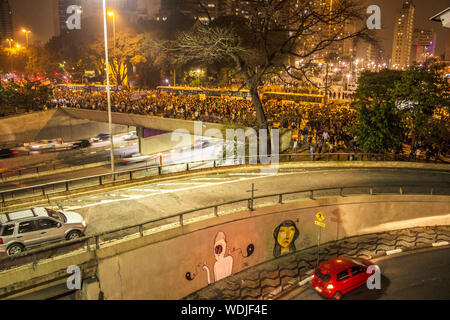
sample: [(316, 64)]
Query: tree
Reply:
[(28, 95), (393, 105), (424, 92), (269, 37), (130, 50), (380, 128)]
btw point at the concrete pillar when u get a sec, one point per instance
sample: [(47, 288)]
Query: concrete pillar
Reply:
[(140, 134), (90, 290)]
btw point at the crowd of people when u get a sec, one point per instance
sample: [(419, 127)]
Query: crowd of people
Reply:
[(309, 122)]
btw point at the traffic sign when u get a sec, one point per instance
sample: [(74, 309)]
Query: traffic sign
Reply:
[(320, 224), (320, 216)]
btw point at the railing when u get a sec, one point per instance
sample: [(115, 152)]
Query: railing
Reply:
[(127, 176), (52, 166), (93, 242), (48, 166)]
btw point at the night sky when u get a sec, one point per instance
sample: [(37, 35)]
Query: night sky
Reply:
[(36, 15)]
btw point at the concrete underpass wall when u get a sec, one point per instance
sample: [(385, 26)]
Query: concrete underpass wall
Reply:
[(138, 120), (51, 124), (164, 142), (166, 124), (178, 261)]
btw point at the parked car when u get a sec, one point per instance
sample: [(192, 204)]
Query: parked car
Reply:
[(339, 276), (41, 145), (135, 158), (132, 135), (7, 153), (101, 137), (25, 229), (81, 144)]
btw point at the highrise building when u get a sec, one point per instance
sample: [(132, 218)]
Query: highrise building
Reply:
[(403, 36), (424, 44), (447, 47), (6, 26), (192, 8), (374, 58)]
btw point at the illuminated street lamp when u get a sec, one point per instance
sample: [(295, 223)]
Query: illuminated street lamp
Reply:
[(113, 15), (108, 89), (348, 80), (198, 76), (9, 40), (26, 34)]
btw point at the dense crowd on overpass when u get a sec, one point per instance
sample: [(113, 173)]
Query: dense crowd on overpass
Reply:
[(314, 124)]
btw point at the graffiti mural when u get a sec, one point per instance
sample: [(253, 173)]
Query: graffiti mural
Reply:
[(223, 267), (285, 235)]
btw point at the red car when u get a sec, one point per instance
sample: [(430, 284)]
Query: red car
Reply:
[(340, 275)]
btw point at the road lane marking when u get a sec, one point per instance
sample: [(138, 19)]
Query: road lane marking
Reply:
[(305, 281), (187, 183), (389, 252), (206, 179), (137, 197), (439, 244)]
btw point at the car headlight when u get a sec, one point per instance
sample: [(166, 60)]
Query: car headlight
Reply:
[(83, 223)]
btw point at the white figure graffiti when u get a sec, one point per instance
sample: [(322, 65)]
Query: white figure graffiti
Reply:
[(224, 265)]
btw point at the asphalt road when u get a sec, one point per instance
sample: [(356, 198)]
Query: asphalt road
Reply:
[(109, 210), (421, 275), (95, 155)]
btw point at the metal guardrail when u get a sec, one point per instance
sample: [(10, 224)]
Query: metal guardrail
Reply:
[(46, 189), (52, 166), (93, 242), (47, 166)]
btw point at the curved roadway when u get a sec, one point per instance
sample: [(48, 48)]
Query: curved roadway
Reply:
[(421, 275), (110, 210)]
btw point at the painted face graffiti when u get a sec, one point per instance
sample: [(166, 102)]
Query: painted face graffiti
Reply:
[(285, 235)]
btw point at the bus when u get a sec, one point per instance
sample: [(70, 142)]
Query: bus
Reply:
[(203, 91), (302, 98), (84, 87), (70, 87)]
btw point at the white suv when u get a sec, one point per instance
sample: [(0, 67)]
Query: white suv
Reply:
[(33, 227)]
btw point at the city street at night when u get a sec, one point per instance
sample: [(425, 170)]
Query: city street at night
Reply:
[(225, 159)]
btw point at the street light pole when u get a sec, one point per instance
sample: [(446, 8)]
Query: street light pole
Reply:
[(108, 91), (26, 34), (113, 15)]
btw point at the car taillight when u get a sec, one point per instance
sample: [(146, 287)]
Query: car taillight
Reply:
[(125, 161), (330, 287), (15, 152), (1, 241)]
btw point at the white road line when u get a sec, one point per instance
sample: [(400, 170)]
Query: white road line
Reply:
[(442, 243), (389, 252), (136, 197), (251, 174), (305, 281), (186, 183), (206, 179)]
